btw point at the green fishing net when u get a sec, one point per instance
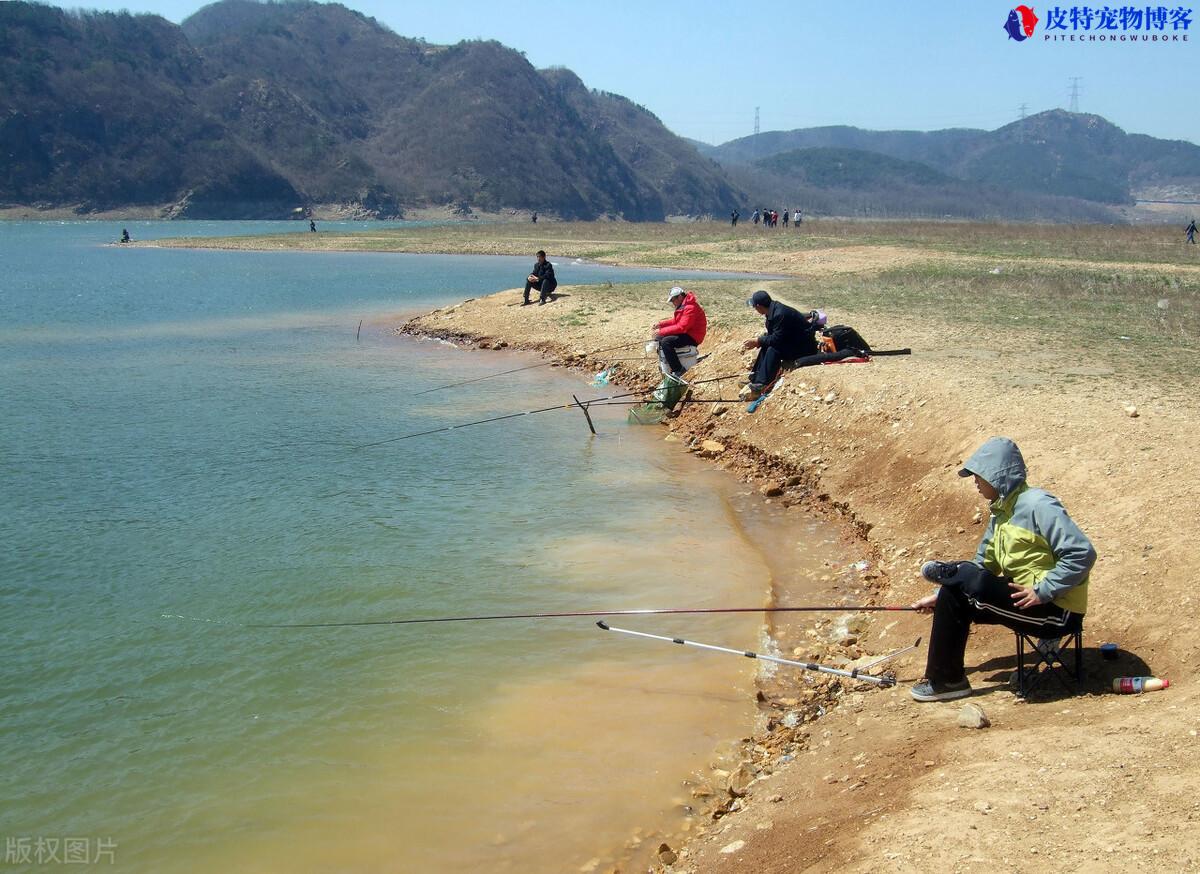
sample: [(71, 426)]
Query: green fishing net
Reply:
[(666, 396)]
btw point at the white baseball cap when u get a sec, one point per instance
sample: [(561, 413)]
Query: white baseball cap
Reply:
[(675, 292)]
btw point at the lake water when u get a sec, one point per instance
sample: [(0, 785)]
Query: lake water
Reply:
[(178, 439)]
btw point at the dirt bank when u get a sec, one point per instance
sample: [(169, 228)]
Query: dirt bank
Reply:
[(1091, 782)]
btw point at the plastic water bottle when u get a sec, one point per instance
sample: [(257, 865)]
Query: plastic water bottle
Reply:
[(1137, 685)]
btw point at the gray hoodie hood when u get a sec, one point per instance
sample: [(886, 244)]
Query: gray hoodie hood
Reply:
[(999, 462)]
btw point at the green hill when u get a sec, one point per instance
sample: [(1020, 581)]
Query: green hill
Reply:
[(255, 108), (1038, 161)]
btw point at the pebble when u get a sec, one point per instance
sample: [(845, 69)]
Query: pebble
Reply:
[(972, 716), (740, 780), (1131, 411), (666, 855), (733, 848)]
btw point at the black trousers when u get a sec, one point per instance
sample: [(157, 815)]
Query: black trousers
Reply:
[(544, 290), (668, 345), (769, 361), (973, 594)]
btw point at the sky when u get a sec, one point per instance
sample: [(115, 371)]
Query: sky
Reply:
[(704, 67)]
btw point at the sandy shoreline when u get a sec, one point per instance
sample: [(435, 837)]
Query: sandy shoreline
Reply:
[(890, 783), (1079, 342)]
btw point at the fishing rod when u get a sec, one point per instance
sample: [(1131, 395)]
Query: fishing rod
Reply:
[(645, 394), (884, 682), (646, 612), (680, 402), (517, 370)]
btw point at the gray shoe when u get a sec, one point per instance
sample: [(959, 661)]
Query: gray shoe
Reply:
[(927, 691), (936, 571)]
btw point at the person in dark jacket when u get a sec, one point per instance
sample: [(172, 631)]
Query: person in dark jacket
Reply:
[(686, 327), (542, 278), (1030, 572), (789, 335)]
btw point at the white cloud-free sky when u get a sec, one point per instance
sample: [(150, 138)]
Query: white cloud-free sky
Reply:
[(703, 66)]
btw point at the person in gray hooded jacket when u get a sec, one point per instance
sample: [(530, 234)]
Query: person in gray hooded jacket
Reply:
[(1030, 572)]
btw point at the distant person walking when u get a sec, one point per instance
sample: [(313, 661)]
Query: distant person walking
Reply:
[(542, 278), (785, 218), (312, 225), (755, 216), (533, 218), (1190, 230), (733, 217), (798, 216)]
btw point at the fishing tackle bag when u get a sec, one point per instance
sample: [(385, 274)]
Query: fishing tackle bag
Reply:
[(836, 338)]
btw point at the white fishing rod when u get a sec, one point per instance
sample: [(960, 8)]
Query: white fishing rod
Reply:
[(883, 682)]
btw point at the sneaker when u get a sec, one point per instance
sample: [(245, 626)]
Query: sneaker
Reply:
[(751, 392), (928, 691), (525, 304), (936, 571)]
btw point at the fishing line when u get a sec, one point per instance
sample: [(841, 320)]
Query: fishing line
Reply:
[(645, 612), (518, 370)]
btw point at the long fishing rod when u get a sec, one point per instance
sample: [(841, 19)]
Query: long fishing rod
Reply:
[(883, 682), (646, 393), (647, 612), (518, 370)]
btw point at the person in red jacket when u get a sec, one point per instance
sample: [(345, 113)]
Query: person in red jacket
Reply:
[(686, 327)]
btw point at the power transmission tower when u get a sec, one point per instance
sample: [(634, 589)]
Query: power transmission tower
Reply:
[(1021, 125), (756, 142), (1075, 80)]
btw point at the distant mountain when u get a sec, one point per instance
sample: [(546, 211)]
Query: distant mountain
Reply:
[(256, 108), (1049, 156), (99, 111), (851, 169), (859, 183)]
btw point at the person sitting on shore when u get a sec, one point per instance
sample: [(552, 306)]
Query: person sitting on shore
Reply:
[(686, 327), (1030, 572), (124, 235), (542, 279), (789, 335)]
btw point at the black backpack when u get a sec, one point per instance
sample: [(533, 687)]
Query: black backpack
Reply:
[(845, 337)]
